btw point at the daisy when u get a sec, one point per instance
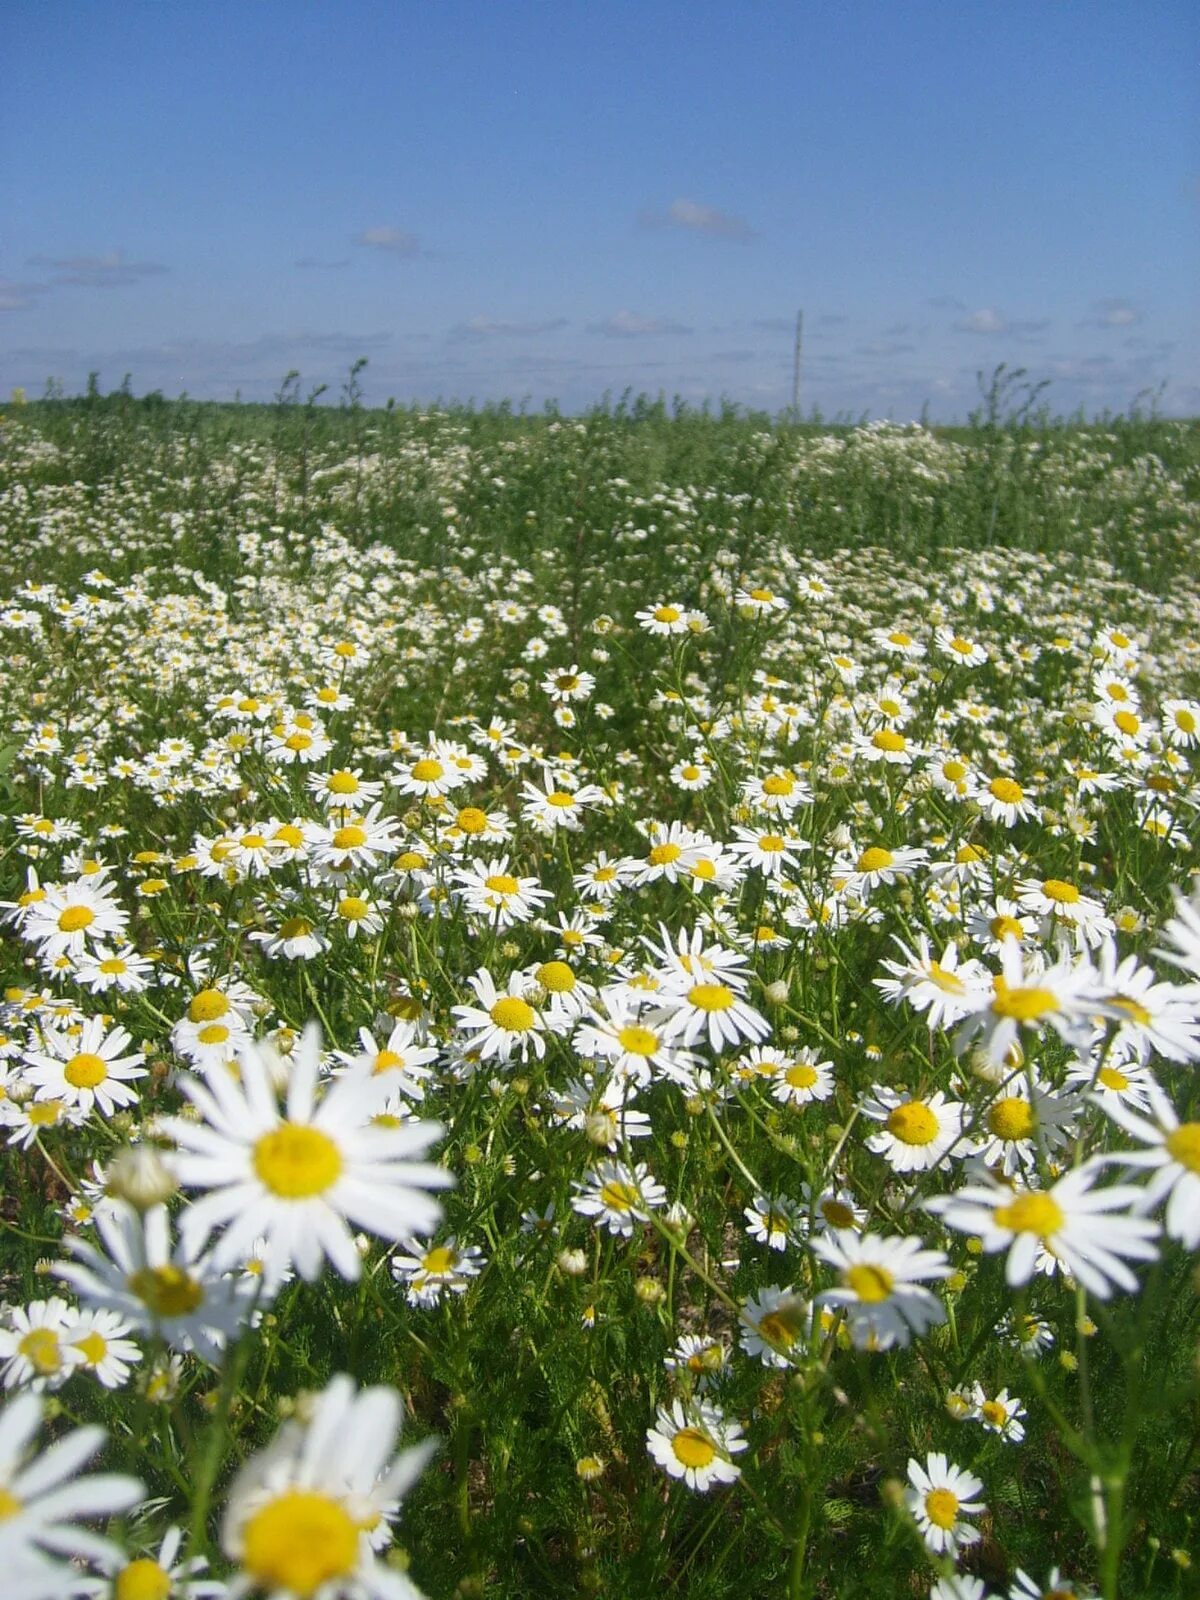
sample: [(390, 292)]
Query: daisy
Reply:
[(888, 745), (429, 1270), (777, 792), (773, 853), (549, 809), (163, 1576), (1061, 997), (963, 652), (428, 777), (403, 1059), (99, 1339), (300, 1176), (696, 1443), (773, 1220), (103, 968), (344, 789), (1071, 1224), (1181, 723), (917, 1134), (606, 1115), (802, 1077), (503, 1024), (939, 986), (632, 1040), (1056, 1587), (701, 1357), (72, 916), (86, 1070), (1151, 1017), (1024, 1123), (298, 745), (1172, 1154), (171, 1293), (306, 1515), (43, 1495), (616, 1195), (1064, 907), (491, 890), (295, 939), (674, 851), (603, 877), (215, 1029), (712, 1012), (664, 618), (1002, 1415), (773, 1323), (35, 1348), (357, 914), (1112, 1080), (355, 843), (1004, 800), (881, 1293), (835, 1207), (939, 1497), (877, 865), (989, 924), (568, 683)]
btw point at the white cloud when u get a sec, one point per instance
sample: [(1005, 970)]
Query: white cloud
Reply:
[(987, 320), (1114, 314), (693, 217), (625, 324), (395, 241), (476, 329), (112, 270)]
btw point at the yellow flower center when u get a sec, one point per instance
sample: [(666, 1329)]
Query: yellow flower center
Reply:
[(1022, 1005), (76, 918), (428, 770), (167, 1291), (439, 1260), (778, 784), (44, 1113), (637, 1041), (142, 1580), (502, 883), (287, 833), (410, 861), (875, 859), (352, 908), (387, 1061), (667, 614), (1011, 1118), (1183, 1145), (1185, 721), (690, 774), (512, 1014), (941, 1507), (113, 966), (663, 854), (913, 1123), (800, 1075), (963, 647), (1128, 722), (1031, 1213), (1008, 792), (298, 742), (711, 996), (1064, 894), (208, 1005), (472, 820), (618, 1196), (32, 897), (837, 1213), (556, 976), (566, 680), (1131, 1008), (870, 1283), (1004, 927), (775, 1330), (296, 1161), (342, 782), (40, 1349), (295, 928), (1111, 1078), (349, 837), (93, 1347), (560, 799), (992, 1411), (889, 740), (954, 771), (693, 1448), (85, 1070), (299, 1542), (213, 1033), (901, 639), (9, 1505)]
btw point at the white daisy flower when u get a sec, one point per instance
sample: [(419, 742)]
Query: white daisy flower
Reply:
[(802, 1077), (939, 1497), (881, 1293), (616, 1195), (86, 1069), (773, 1323), (35, 1347), (1171, 1153), (301, 1176), (1071, 1224), (43, 1495), (697, 1444), (71, 916), (1002, 1414), (712, 1013), (504, 1023), (306, 1515), (430, 1270), (773, 1220), (917, 1134), (99, 1338)]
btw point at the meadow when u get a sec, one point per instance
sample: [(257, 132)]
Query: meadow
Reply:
[(598, 1005)]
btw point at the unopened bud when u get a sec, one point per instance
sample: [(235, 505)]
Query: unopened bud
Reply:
[(140, 1175)]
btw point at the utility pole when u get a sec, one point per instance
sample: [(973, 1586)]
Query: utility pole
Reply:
[(796, 366)]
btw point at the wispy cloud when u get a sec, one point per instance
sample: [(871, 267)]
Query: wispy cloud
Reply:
[(692, 217), (990, 322), (625, 324), (112, 270), (476, 329), (392, 241), (1113, 314), (316, 264)]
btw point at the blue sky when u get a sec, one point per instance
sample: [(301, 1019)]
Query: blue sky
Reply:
[(553, 200)]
